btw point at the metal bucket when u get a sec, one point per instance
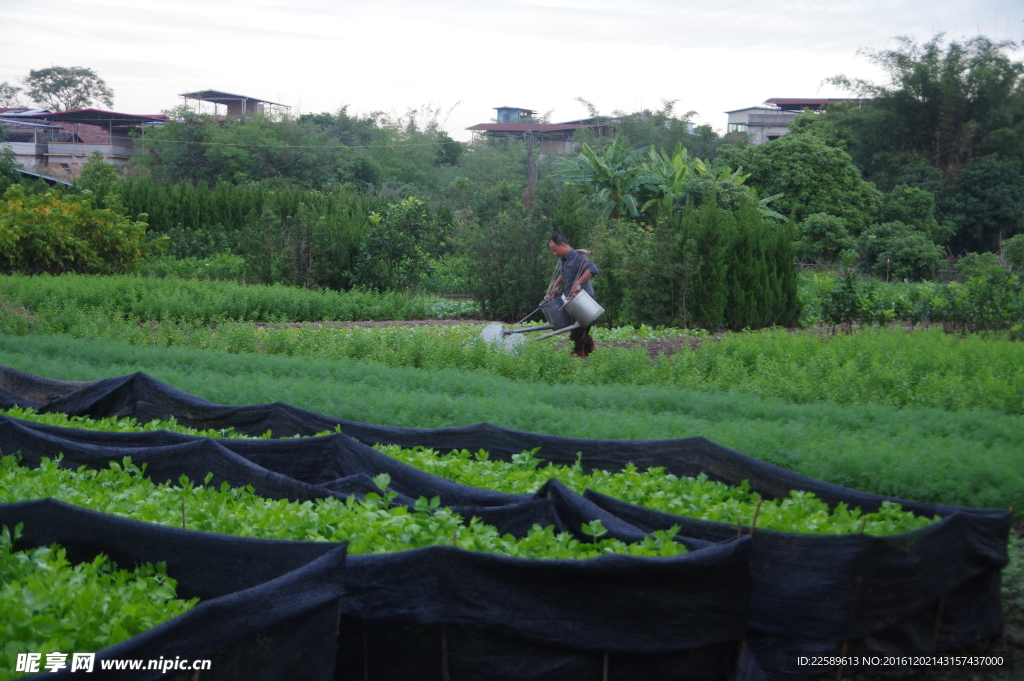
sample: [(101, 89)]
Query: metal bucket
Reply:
[(553, 311), (583, 309)]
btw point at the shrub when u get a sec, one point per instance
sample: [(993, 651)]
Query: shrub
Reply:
[(1013, 251), (976, 264), (823, 237), (704, 266), (54, 233), (898, 251), (396, 249)]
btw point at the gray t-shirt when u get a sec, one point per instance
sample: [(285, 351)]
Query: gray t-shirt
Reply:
[(573, 266)]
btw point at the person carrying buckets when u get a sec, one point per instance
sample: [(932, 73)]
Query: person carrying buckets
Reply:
[(575, 272)]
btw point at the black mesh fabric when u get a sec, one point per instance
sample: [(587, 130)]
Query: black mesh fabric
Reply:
[(811, 593), (268, 610)]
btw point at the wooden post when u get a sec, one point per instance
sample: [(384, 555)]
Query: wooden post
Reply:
[(445, 673), (604, 668), (938, 623), (757, 511), (842, 654), (183, 514), (531, 173)]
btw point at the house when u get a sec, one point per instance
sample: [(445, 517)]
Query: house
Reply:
[(550, 138), (771, 120), (513, 114), (59, 144), (27, 139), (237, 107)]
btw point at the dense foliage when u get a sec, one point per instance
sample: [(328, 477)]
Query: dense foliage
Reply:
[(992, 299), (54, 233), (704, 266), (949, 121)]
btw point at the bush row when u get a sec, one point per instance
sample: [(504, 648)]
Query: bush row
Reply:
[(166, 299), (992, 300)]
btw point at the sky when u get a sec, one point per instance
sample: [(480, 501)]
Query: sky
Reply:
[(462, 58)]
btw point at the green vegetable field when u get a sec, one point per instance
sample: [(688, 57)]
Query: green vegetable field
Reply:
[(48, 604)]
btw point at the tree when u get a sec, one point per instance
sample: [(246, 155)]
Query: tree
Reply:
[(9, 95), (449, 151), (58, 233), (65, 88), (898, 251), (611, 179), (397, 248), (986, 203), (823, 237), (943, 103), (811, 177)]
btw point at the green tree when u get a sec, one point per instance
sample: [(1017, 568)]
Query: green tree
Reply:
[(54, 234), (810, 177), (1013, 252), (449, 152), (950, 121), (66, 88), (98, 176), (915, 207), (509, 263), (9, 95), (943, 103), (399, 245), (898, 251), (8, 168), (612, 179), (986, 203), (823, 237)]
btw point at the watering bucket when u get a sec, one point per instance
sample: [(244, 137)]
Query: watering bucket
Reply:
[(583, 309), (557, 317)]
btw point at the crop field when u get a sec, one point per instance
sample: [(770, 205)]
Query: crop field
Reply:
[(916, 414), (97, 603), (967, 457), (653, 488)]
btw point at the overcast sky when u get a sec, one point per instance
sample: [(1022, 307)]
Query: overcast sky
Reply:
[(467, 57)]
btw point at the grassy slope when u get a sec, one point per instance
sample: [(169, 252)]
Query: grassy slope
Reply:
[(967, 457)]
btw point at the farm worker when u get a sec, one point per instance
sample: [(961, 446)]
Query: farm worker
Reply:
[(576, 271)]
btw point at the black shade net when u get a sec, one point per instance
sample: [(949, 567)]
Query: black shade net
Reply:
[(269, 609), (934, 588)]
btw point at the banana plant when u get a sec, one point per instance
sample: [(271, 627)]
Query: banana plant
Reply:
[(612, 178)]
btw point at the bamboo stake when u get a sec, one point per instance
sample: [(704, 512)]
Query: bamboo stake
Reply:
[(604, 668), (366, 656), (445, 673), (739, 528), (842, 654), (863, 524), (938, 623), (753, 523), (183, 514)]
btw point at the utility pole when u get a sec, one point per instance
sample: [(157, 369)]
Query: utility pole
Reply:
[(531, 176)]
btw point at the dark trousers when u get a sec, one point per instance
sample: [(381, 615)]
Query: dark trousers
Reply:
[(582, 343)]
